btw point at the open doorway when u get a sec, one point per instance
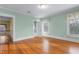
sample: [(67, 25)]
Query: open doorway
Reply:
[(6, 29)]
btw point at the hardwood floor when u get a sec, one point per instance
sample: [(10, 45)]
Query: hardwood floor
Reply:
[(40, 45)]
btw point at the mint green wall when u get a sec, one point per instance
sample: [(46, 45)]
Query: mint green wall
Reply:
[(23, 24), (58, 23)]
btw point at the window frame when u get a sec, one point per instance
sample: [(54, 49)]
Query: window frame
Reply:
[(68, 29)]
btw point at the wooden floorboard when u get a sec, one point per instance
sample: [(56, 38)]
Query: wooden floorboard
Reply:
[(40, 45)]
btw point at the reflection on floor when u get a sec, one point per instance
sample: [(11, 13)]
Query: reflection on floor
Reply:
[(40, 45)]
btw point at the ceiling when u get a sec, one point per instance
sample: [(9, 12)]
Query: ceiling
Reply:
[(35, 11)]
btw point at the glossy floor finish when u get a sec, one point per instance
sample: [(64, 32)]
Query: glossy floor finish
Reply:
[(40, 45)]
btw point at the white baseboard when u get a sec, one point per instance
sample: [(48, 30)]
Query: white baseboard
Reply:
[(64, 38), (23, 38)]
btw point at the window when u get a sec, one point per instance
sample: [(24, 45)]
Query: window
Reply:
[(73, 23), (36, 27)]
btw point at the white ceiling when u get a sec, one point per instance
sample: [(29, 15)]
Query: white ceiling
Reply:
[(35, 11)]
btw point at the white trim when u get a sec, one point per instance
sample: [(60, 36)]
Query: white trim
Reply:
[(3, 14), (63, 38), (54, 37), (23, 38), (29, 37)]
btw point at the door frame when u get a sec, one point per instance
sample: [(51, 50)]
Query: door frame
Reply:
[(8, 15), (43, 22)]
